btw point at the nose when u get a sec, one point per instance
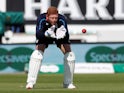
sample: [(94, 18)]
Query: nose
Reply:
[(54, 19)]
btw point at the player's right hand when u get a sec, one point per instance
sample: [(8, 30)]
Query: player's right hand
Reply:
[(50, 32)]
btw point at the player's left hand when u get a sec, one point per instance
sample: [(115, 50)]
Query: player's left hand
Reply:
[(60, 32)]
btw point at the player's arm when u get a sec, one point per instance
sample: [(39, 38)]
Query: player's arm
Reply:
[(42, 30), (40, 27), (62, 31), (62, 21)]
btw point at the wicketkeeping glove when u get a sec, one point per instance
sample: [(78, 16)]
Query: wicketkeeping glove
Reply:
[(50, 32), (60, 32)]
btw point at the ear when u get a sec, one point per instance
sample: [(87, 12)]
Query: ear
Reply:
[(46, 17)]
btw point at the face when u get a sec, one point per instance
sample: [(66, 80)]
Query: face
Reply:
[(52, 18)]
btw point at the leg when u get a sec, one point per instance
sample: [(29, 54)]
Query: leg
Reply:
[(69, 64), (34, 66)]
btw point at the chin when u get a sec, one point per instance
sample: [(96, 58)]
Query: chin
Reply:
[(53, 24)]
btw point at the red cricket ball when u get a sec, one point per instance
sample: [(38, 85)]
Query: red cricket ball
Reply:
[(83, 30)]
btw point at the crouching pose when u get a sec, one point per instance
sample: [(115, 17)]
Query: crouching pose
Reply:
[(51, 27)]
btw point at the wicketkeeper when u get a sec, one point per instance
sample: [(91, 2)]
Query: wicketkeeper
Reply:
[(51, 28)]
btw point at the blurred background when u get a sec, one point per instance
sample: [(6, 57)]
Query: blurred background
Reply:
[(99, 50)]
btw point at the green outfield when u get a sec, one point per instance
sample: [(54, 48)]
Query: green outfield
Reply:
[(52, 83)]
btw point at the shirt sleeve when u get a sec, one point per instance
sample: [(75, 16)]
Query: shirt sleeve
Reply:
[(62, 21), (40, 27)]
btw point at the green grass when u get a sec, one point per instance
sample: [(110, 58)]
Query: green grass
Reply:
[(52, 83)]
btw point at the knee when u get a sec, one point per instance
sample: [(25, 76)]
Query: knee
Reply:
[(37, 54), (69, 56)]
